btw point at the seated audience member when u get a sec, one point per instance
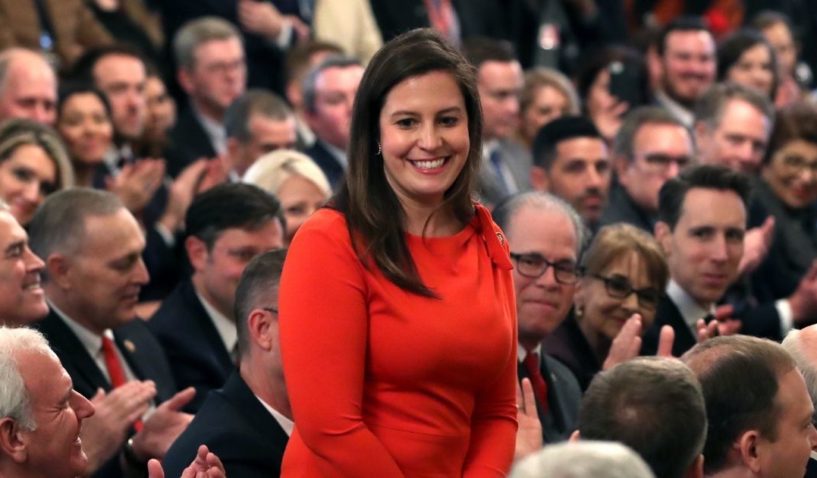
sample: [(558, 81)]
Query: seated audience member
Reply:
[(160, 117), (85, 126), (623, 273), (788, 193), (328, 95), (506, 164), (295, 180), (256, 123), (703, 245), (757, 406), (33, 164), (584, 459), (134, 22), (776, 27), (226, 227), (802, 346), (628, 404), (651, 147), (212, 71), (22, 300), (570, 160), (300, 59), (546, 95), (686, 49), (28, 86), (247, 423), (545, 236), (732, 126), (745, 57), (92, 248), (594, 82), (40, 413)]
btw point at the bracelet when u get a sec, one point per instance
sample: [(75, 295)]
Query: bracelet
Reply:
[(130, 455)]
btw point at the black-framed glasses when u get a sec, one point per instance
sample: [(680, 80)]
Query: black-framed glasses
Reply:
[(534, 265), (620, 287), (273, 310), (662, 162)]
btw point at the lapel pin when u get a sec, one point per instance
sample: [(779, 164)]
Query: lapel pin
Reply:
[(130, 346)]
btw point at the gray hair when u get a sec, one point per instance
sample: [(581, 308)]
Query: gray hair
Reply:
[(583, 459), (7, 58), (710, 107), (197, 32), (59, 224), (504, 212), (795, 345), (255, 101), (15, 401), (635, 119), (541, 77), (310, 81)]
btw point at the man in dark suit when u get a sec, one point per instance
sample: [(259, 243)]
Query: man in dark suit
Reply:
[(226, 227), (545, 236), (92, 248), (248, 422), (328, 95), (212, 71), (701, 227), (651, 146), (571, 161), (628, 404)]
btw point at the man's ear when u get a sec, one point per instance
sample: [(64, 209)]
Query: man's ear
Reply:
[(539, 179), (260, 325), (575, 436), (197, 252), (663, 235), (58, 269), (750, 449), (621, 164), (185, 80), (12, 442), (701, 132), (696, 469)]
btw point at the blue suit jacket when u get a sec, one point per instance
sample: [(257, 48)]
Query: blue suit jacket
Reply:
[(235, 426), (197, 354), (327, 162)]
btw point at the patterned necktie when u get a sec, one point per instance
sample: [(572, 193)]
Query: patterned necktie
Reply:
[(540, 387)]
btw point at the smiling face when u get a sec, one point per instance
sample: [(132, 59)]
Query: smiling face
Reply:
[(26, 178), (792, 173), (22, 300), (541, 303), (424, 137), (738, 141), (688, 64), (86, 128), (754, 69), (54, 448), (705, 247)]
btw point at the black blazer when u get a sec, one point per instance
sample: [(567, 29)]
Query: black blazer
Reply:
[(564, 398), (190, 142), (568, 345), (143, 353), (621, 208), (194, 347), (327, 162), (235, 426), (667, 313)]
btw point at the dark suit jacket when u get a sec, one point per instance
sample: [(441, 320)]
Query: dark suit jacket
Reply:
[(621, 208), (667, 313), (327, 162), (564, 398), (140, 349), (811, 468), (196, 352), (190, 142), (568, 345), (235, 426)]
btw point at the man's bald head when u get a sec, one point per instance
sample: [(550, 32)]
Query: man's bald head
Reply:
[(28, 86)]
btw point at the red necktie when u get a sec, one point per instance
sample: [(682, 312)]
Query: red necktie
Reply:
[(115, 369), (540, 387)]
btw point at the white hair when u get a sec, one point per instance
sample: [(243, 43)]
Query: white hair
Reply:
[(795, 345), (273, 169), (583, 459), (14, 397)]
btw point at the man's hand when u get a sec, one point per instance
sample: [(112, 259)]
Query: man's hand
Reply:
[(103, 434), (261, 18), (162, 427), (756, 245), (529, 433), (137, 183), (205, 465)]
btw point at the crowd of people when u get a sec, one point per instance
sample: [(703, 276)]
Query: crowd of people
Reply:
[(419, 238)]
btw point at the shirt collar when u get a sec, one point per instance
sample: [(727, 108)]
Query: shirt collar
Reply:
[(226, 328), (337, 153), (285, 422), (690, 310), (215, 131), (678, 110), (89, 339), (521, 352)]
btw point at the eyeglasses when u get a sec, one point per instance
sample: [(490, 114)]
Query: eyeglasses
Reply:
[(620, 287), (534, 266), (273, 310), (661, 162), (798, 163)]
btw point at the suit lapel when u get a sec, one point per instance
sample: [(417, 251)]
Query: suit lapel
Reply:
[(74, 356), (208, 329)]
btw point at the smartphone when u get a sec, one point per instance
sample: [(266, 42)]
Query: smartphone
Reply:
[(627, 83)]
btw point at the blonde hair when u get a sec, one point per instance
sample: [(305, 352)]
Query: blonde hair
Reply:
[(20, 132), (272, 170)]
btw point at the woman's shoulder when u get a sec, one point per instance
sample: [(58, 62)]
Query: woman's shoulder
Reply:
[(325, 222)]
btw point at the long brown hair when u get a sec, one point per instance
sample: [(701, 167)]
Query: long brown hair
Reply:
[(373, 212)]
